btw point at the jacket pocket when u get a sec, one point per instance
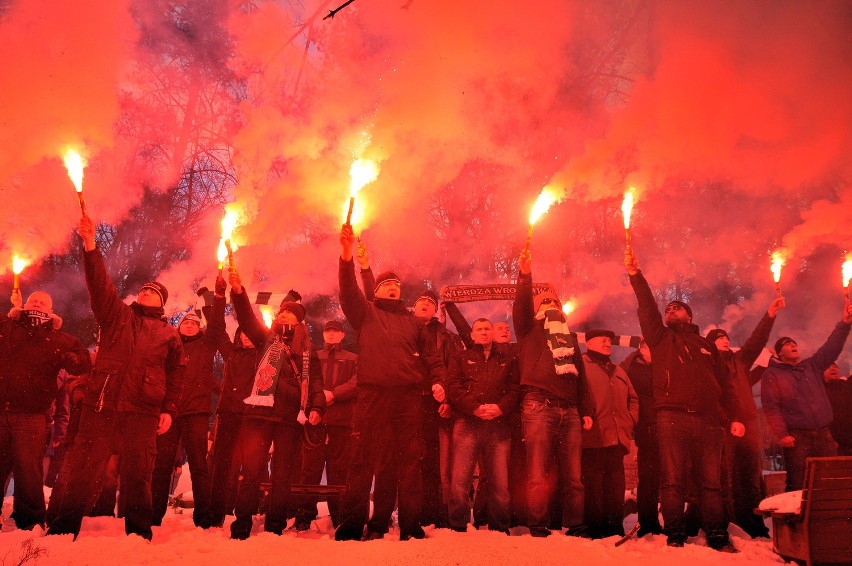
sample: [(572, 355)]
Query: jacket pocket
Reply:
[(153, 387), (530, 407)]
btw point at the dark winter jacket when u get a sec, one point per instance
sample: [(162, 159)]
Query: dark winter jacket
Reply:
[(840, 395), (447, 344), (240, 368), (739, 363), (395, 350), (642, 379), (339, 369), (535, 360), (793, 396), (474, 381), (614, 401), (688, 372), (288, 392), (136, 370), (199, 381), (30, 359)]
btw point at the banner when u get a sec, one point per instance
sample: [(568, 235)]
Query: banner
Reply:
[(492, 292)]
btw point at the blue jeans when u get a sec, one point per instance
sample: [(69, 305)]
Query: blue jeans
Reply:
[(688, 437), (551, 429), (473, 437), (809, 444)]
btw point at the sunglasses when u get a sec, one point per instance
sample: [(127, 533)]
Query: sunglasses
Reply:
[(548, 302), (674, 308)]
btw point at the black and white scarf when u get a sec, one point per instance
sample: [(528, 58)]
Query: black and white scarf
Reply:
[(266, 376), (559, 341)]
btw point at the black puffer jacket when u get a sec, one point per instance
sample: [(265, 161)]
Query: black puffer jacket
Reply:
[(30, 359), (199, 381), (535, 359), (139, 354), (689, 374), (475, 381), (395, 350), (339, 369), (288, 391)]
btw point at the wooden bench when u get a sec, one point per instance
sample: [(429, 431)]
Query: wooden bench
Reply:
[(821, 532), (315, 492)]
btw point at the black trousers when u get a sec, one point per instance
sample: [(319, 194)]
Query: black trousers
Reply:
[(333, 456), (225, 463), (133, 437), (21, 450), (189, 431), (603, 478), (256, 437), (384, 418), (648, 490)]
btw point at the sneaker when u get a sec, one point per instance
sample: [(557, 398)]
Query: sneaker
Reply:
[(374, 535), (580, 531), (652, 530), (674, 543), (344, 533)]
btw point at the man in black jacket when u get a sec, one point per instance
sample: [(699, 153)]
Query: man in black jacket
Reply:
[(32, 352), (130, 398), (395, 354), (744, 455), (192, 423), (690, 382), (483, 385), (339, 369), (554, 404)]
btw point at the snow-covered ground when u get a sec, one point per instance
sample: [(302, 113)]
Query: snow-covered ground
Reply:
[(102, 541)]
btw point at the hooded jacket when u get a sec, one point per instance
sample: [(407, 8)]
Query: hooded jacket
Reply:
[(30, 359), (238, 377), (395, 349), (139, 355), (793, 396), (689, 374)]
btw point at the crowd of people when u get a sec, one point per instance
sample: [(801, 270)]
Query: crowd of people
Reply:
[(410, 419)]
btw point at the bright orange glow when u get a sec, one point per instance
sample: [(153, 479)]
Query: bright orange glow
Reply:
[(229, 223), (569, 307), (19, 264), (268, 314), (627, 206), (75, 164), (359, 209), (362, 173), (543, 203), (778, 262), (847, 272), (222, 252)]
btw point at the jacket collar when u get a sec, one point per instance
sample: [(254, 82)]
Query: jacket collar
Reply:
[(150, 312)]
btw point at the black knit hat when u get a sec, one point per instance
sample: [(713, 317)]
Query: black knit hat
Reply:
[(716, 333), (599, 332), (158, 288), (429, 295), (385, 277), (781, 342), (682, 305), (333, 325), (296, 308)]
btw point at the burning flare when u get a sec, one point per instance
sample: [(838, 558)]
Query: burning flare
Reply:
[(268, 314), (847, 275), (545, 200), (569, 307), (778, 262), (226, 245), (627, 206), (75, 164), (18, 265), (362, 173)]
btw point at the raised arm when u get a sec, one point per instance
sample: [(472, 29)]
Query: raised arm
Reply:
[(460, 322), (523, 316), (253, 328), (103, 295), (216, 334), (650, 319), (828, 352), (755, 344)]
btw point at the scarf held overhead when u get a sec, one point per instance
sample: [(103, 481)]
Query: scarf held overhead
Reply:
[(268, 370)]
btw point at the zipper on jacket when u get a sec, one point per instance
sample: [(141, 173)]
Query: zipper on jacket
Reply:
[(668, 381), (100, 405)]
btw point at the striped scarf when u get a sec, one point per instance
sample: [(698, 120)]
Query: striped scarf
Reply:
[(559, 341)]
